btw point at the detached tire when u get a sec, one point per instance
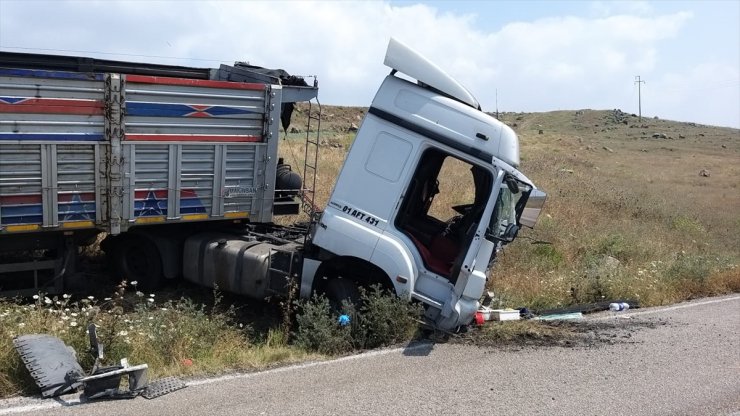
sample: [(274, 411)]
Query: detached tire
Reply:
[(138, 260), (338, 290)]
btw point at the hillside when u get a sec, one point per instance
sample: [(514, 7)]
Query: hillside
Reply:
[(647, 210)]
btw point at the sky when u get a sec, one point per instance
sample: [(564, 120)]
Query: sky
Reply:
[(526, 56)]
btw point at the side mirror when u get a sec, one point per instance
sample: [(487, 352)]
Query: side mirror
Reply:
[(532, 210)]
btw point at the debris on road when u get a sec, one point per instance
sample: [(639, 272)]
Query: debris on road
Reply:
[(560, 317)]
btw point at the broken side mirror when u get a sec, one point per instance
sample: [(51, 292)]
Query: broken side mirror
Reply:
[(533, 208)]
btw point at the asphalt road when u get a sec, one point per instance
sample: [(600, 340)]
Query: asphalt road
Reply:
[(680, 360)]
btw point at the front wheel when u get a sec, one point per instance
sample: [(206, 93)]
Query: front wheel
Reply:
[(339, 290)]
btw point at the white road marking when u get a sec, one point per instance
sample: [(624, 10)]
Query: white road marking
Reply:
[(46, 404), (305, 365)]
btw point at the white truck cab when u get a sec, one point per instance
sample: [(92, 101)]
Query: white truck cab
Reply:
[(427, 194)]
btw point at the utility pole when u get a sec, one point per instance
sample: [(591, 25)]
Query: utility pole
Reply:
[(497, 104), (638, 81)]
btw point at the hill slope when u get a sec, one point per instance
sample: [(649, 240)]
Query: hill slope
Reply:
[(642, 209)]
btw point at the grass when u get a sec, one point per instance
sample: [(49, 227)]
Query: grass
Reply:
[(186, 338), (174, 337), (627, 216), (634, 221)]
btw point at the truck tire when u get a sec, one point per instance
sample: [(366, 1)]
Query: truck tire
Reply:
[(339, 289), (138, 260)]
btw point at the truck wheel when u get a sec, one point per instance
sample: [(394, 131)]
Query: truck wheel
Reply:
[(338, 290), (138, 260)]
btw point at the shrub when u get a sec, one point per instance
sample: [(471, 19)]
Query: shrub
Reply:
[(318, 329), (381, 319), (385, 318)]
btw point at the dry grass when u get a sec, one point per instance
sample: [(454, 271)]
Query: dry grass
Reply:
[(173, 338), (614, 192), (628, 216)]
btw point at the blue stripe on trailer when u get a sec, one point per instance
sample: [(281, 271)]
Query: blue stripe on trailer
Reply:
[(65, 137), (134, 108), (40, 73), (21, 214)]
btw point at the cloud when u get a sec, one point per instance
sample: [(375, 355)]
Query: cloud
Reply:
[(559, 62)]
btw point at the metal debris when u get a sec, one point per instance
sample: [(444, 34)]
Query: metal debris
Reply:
[(54, 367), (52, 364), (162, 387)]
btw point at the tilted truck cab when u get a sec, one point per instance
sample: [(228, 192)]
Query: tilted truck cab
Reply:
[(428, 191)]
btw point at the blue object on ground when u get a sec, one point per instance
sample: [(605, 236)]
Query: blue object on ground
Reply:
[(343, 320)]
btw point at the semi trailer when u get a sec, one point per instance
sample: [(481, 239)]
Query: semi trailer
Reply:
[(179, 168)]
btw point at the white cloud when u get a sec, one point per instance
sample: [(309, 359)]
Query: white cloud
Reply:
[(559, 62)]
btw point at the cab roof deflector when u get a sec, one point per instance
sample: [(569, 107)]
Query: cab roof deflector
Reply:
[(401, 58)]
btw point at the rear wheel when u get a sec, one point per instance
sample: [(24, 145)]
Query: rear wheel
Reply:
[(138, 260)]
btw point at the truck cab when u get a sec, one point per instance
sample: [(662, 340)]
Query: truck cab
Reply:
[(428, 193)]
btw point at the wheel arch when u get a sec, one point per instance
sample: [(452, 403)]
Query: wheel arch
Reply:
[(169, 248), (363, 272)]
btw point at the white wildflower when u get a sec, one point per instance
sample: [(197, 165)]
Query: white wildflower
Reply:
[(134, 283), (123, 333), (106, 299), (66, 296), (21, 325), (73, 323), (139, 294), (91, 297), (150, 300), (47, 300), (36, 297)]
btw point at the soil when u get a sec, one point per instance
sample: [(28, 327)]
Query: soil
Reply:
[(568, 334)]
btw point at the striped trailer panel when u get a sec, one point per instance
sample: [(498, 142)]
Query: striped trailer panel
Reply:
[(51, 127), (48, 185), (191, 149), (182, 181), (50, 105), (174, 109)]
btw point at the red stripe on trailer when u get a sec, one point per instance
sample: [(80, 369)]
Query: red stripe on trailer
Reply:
[(191, 138), (20, 199), (144, 194), (53, 106), (148, 79)]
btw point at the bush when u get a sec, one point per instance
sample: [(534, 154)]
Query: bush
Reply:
[(318, 328), (386, 319), (381, 319)]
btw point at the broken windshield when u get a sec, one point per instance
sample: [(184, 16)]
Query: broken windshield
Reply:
[(509, 205)]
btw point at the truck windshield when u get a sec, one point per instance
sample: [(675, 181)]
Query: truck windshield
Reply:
[(509, 205)]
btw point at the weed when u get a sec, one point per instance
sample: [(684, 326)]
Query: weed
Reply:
[(318, 330), (381, 319), (385, 318)]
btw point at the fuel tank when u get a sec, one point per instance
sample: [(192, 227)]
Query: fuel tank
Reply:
[(237, 265)]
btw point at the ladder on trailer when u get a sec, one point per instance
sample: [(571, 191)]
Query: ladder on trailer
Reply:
[(311, 162)]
